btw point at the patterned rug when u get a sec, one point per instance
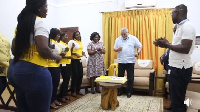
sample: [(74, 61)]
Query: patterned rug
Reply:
[(91, 103)]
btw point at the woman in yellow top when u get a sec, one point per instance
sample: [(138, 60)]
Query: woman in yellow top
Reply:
[(65, 66), (77, 68), (54, 67), (4, 61), (27, 72)]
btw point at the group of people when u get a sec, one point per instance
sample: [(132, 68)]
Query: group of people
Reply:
[(40, 57)]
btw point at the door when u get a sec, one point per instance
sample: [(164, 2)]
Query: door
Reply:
[(69, 31)]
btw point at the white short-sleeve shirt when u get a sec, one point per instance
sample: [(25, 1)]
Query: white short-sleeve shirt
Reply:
[(129, 45), (40, 28), (180, 60)]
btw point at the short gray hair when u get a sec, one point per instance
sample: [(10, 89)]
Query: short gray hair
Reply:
[(124, 29)]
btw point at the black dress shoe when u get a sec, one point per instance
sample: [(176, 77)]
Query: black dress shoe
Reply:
[(79, 93), (168, 107), (128, 95), (119, 93), (73, 94), (92, 91), (98, 91)]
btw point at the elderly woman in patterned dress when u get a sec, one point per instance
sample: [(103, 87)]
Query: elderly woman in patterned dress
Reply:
[(95, 66)]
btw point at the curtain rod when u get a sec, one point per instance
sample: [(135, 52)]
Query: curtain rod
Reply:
[(136, 9)]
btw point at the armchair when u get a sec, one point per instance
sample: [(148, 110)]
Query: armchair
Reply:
[(193, 89), (144, 75)]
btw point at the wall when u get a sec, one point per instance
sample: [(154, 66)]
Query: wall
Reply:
[(10, 9), (87, 17)]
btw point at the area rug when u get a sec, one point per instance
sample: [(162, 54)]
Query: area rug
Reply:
[(91, 103)]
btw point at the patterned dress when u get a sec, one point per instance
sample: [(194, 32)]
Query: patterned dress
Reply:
[(95, 66)]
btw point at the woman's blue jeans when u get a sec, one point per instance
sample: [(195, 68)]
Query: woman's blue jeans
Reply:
[(33, 86)]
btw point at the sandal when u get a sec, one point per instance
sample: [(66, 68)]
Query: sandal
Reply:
[(57, 103), (53, 106), (67, 98), (63, 100)]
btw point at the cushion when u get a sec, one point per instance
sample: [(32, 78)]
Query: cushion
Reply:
[(85, 80), (115, 61), (147, 64), (194, 97), (191, 87), (142, 72), (196, 68), (195, 75), (84, 71), (84, 62), (141, 81), (194, 87), (141, 87)]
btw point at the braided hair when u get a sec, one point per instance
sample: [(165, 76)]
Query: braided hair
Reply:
[(25, 28)]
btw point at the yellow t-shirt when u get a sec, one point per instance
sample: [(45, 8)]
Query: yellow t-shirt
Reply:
[(57, 50), (4, 54), (65, 60), (40, 29), (78, 51)]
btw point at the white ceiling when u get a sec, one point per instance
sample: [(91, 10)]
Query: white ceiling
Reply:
[(76, 2)]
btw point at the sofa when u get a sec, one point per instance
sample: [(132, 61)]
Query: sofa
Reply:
[(144, 75), (86, 81), (193, 89)]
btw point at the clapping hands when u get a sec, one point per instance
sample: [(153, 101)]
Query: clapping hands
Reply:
[(161, 42)]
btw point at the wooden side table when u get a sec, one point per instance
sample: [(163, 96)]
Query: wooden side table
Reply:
[(156, 80), (109, 95)]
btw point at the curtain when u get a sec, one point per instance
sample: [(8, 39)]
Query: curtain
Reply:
[(147, 25)]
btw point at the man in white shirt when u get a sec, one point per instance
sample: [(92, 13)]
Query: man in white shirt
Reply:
[(125, 46), (179, 57)]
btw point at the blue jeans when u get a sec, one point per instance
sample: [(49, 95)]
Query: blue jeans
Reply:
[(33, 86)]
